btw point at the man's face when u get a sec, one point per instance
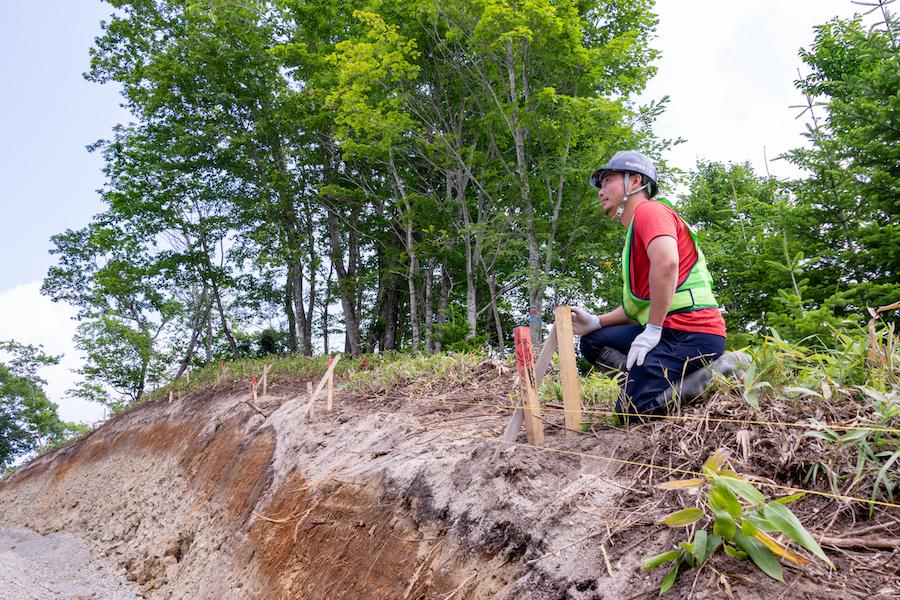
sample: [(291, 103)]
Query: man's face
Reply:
[(611, 192)]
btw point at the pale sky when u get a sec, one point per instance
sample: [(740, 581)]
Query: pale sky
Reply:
[(728, 66)]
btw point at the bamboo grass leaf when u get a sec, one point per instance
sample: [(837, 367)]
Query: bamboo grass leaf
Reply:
[(678, 484), (742, 489), (778, 549), (760, 555), (655, 561), (788, 523), (683, 517), (669, 580)]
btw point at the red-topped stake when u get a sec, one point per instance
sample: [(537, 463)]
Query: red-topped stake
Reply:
[(534, 427)]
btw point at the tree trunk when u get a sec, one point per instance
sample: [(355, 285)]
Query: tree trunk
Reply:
[(498, 325), (391, 305), (535, 287), (471, 300), (325, 304), (197, 324), (218, 298), (313, 267), (295, 274), (413, 266), (289, 311), (429, 312), (345, 287), (443, 303)]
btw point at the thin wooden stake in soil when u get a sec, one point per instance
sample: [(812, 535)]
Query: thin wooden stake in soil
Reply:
[(534, 427), (265, 379), (252, 401), (329, 404), (568, 373), (171, 396), (310, 410), (518, 417)]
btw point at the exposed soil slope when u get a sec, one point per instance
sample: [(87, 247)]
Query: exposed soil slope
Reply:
[(398, 497)]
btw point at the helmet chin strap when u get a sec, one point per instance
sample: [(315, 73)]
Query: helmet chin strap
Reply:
[(621, 210)]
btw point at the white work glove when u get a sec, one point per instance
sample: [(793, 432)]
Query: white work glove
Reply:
[(584, 322), (643, 344)]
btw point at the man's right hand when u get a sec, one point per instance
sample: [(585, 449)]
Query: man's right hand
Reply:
[(584, 322)]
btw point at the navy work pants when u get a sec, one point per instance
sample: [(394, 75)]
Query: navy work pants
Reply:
[(678, 354)]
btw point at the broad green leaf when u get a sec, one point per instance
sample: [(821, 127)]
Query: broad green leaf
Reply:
[(669, 580), (760, 555), (752, 399), (712, 544), (721, 498), (699, 545), (742, 489), (683, 517), (724, 525), (787, 522), (748, 528), (760, 523), (655, 561), (734, 552)]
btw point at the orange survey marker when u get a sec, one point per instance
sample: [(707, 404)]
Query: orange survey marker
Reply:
[(534, 427)]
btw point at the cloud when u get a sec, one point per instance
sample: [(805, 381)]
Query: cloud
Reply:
[(30, 318), (729, 69)]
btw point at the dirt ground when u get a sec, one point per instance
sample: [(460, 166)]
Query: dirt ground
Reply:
[(398, 496), (58, 565)]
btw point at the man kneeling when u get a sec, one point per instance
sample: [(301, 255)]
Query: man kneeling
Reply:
[(668, 324)]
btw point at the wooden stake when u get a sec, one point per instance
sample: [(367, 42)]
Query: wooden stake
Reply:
[(544, 358), (171, 396), (252, 401), (265, 379), (568, 372), (540, 369), (311, 410), (534, 427), (329, 404)]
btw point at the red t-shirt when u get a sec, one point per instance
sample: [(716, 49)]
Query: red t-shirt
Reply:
[(652, 219)]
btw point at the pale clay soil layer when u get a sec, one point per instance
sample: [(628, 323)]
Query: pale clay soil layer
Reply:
[(402, 498)]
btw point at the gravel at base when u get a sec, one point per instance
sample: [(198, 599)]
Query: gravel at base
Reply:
[(58, 565)]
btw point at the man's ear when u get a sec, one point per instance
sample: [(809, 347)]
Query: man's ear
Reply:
[(635, 181)]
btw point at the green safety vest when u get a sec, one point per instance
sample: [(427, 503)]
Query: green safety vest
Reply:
[(694, 293)]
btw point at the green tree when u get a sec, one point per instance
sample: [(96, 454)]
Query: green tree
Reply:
[(845, 219), (28, 419), (740, 220)]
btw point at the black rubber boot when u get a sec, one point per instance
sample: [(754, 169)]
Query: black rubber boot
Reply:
[(610, 361), (730, 364)]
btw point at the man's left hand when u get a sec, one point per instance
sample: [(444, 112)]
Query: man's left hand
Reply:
[(643, 344)]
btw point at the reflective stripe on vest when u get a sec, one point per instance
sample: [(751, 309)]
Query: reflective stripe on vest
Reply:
[(694, 293)]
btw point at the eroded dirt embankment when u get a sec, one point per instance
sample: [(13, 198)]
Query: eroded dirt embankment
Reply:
[(205, 498)]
